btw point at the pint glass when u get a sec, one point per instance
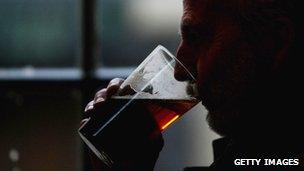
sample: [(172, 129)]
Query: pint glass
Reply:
[(149, 99)]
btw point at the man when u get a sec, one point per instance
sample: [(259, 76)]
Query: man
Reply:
[(244, 56)]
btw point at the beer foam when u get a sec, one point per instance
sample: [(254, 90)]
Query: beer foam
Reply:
[(144, 95)]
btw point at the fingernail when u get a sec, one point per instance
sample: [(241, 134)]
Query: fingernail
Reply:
[(99, 100), (90, 107)]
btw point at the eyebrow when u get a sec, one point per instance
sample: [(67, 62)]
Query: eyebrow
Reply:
[(189, 25)]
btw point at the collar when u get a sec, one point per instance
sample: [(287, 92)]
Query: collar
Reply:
[(220, 145)]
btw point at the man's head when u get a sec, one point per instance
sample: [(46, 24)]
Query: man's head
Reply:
[(234, 48)]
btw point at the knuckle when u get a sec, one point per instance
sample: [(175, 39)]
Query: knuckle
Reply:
[(99, 100), (101, 93), (115, 82), (113, 86)]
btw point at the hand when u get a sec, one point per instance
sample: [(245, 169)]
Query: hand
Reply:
[(141, 158)]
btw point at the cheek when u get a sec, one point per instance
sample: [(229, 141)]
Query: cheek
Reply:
[(227, 76), (204, 72), (206, 64), (201, 72), (237, 73)]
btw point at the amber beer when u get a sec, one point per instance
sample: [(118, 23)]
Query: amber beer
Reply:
[(166, 111), (125, 124)]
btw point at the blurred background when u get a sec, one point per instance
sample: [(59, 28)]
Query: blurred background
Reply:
[(54, 55)]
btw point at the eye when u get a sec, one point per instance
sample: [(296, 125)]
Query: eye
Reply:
[(196, 34), (190, 34)]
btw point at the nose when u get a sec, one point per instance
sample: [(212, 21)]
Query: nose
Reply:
[(184, 69), (180, 73)]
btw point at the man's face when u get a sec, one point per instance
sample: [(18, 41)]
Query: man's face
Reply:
[(218, 55)]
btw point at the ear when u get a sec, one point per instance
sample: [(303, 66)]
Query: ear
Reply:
[(285, 35)]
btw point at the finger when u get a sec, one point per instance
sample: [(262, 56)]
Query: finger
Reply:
[(101, 94), (113, 86), (116, 81), (84, 121), (98, 101), (89, 107)]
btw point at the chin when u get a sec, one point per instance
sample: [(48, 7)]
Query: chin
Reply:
[(225, 121), (220, 124)]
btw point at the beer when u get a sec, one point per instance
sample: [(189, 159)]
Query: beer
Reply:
[(125, 123), (166, 111)]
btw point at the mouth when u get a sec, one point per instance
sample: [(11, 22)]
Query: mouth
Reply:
[(207, 100)]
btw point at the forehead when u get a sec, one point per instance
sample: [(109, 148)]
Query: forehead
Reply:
[(195, 11), (198, 11), (194, 3)]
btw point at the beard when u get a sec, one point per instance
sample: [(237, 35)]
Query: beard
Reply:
[(225, 122), (228, 94)]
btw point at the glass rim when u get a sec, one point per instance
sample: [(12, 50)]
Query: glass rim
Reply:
[(172, 56)]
